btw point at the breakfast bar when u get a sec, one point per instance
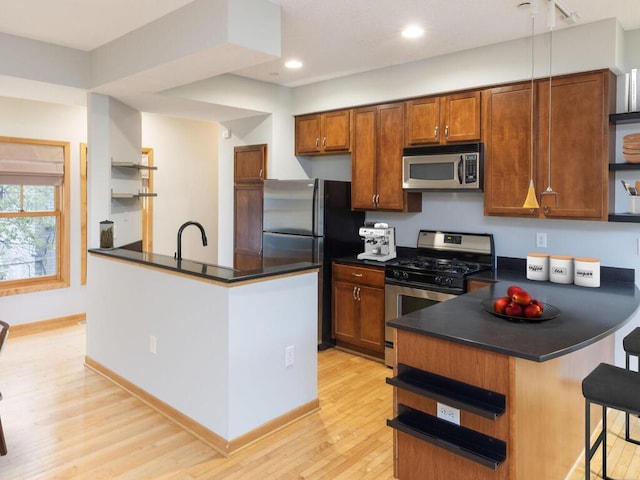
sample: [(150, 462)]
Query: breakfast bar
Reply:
[(478, 396), (229, 355)]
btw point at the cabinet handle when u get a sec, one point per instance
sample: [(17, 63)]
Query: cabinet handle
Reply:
[(435, 132), (546, 210), (324, 142), (356, 274), (317, 142), (377, 200), (353, 294), (261, 174), (373, 199), (446, 132), (358, 293)]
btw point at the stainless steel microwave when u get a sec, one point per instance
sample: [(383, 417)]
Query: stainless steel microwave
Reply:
[(443, 167)]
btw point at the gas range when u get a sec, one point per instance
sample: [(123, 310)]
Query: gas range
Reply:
[(441, 261)]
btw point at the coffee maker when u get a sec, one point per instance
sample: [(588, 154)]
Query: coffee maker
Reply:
[(379, 242)]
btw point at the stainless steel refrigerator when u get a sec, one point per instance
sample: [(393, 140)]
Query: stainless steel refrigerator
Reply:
[(311, 220)]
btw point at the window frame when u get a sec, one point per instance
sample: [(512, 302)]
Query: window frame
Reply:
[(62, 214)]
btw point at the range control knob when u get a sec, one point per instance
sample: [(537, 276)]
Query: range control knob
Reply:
[(448, 281), (405, 275), (438, 279)]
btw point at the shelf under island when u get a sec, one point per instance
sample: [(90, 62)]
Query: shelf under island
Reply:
[(205, 344), (516, 386)]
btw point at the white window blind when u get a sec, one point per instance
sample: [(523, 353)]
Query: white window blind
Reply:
[(31, 164)]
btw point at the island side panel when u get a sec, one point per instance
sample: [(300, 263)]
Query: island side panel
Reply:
[(127, 303), (264, 319), (416, 459), (549, 417)]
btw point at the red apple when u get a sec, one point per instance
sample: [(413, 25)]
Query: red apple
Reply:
[(500, 304), (532, 311), (513, 309), (538, 303), (513, 289), (521, 298)]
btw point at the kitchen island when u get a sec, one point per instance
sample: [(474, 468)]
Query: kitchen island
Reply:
[(229, 355), (515, 387)]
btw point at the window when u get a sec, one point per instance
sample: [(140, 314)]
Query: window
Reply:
[(34, 223)]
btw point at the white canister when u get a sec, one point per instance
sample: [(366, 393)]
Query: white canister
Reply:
[(561, 269), (586, 272), (538, 266), (634, 204)]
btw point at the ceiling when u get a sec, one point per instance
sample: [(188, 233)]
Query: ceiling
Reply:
[(332, 38)]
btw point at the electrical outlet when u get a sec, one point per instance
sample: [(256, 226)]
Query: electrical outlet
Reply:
[(153, 344), (541, 240), (450, 414), (289, 356)]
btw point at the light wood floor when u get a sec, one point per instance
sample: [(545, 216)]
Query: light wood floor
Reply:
[(63, 421)]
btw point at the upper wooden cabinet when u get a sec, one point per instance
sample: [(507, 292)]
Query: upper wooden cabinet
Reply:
[(250, 163), (580, 106), (323, 133), (376, 160), (445, 119)]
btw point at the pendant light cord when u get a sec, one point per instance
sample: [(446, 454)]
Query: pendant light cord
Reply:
[(533, 23), (550, 104)]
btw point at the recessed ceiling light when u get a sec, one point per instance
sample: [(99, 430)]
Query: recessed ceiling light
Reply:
[(293, 64), (412, 31)]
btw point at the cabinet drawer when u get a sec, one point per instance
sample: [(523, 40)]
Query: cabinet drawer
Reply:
[(370, 276)]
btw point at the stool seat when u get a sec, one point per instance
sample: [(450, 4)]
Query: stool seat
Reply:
[(631, 343), (613, 387)]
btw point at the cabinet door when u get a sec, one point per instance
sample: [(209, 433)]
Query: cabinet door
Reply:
[(506, 118), (248, 219), (389, 156), (371, 318), (363, 159), (336, 131), (422, 121), (579, 145), (249, 163), (345, 328), (461, 117), (308, 133)]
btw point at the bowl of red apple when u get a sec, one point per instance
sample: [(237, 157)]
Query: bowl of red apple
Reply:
[(518, 305)]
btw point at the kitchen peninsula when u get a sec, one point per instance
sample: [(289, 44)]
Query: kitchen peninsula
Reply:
[(205, 344), (514, 387)]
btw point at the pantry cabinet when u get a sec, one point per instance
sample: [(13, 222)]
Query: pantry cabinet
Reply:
[(376, 160), (443, 119), (323, 133), (576, 134), (358, 308)]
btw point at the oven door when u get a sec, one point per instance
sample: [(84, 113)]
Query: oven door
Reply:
[(401, 300)]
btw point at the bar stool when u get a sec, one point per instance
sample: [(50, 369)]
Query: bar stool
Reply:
[(613, 387), (631, 345)]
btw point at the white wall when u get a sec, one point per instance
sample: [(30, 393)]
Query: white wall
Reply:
[(29, 119), (186, 154)]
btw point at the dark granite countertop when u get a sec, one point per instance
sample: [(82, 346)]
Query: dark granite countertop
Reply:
[(586, 315), (218, 273)]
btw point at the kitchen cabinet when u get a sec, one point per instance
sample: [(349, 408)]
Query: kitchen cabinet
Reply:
[(579, 146), (376, 160), (249, 166), (358, 308), (622, 119), (323, 133), (443, 119), (473, 285)]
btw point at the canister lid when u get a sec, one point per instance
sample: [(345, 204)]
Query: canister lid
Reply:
[(541, 255), (561, 257), (106, 222), (587, 259)]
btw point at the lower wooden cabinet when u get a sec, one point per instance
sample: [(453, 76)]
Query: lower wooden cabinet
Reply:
[(358, 308)]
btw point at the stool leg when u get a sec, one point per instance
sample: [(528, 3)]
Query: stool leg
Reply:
[(587, 440), (626, 414), (604, 442), (3, 444)]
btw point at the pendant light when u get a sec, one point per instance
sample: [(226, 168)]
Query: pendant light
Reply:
[(531, 201), (549, 198)]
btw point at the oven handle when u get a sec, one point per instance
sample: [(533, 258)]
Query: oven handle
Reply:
[(391, 289)]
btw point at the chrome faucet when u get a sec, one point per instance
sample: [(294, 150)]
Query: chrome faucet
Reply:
[(178, 254)]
